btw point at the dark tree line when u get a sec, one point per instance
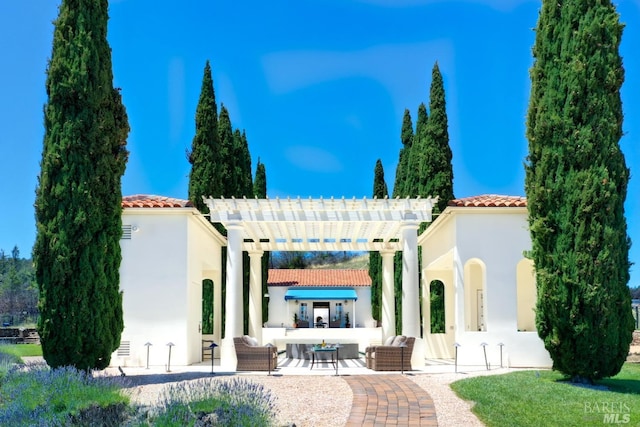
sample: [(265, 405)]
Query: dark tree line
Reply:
[(18, 289), (424, 169), (221, 167)]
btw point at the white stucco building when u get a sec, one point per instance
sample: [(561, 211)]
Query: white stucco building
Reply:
[(474, 250)]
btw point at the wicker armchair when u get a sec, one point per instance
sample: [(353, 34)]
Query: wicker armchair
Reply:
[(252, 357), (390, 357)]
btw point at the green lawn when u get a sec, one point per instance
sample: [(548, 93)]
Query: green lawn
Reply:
[(534, 398), (21, 350)]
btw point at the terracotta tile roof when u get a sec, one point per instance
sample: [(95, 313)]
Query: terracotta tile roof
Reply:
[(150, 201), (317, 277), (490, 201)]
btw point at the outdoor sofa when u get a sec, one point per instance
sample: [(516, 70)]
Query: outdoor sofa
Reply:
[(390, 356), (254, 357)]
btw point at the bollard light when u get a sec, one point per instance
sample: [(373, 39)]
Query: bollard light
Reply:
[(456, 345), (169, 344), (212, 347), (484, 348), (403, 345), (148, 344), (501, 345)]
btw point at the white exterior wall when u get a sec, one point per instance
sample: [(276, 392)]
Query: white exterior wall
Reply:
[(497, 239), (281, 311), (160, 276)]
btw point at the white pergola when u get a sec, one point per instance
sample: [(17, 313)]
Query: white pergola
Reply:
[(259, 225)]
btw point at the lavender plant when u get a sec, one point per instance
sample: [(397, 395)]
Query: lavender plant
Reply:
[(37, 395), (236, 402)]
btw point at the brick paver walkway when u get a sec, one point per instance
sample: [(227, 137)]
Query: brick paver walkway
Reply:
[(384, 400)]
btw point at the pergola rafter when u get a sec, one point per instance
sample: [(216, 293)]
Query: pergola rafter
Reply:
[(320, 224)]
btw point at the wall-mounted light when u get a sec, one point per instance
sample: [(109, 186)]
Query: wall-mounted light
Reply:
[(135, 228), (296, 302)]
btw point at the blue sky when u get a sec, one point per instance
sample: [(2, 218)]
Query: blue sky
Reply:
[(319, 87)]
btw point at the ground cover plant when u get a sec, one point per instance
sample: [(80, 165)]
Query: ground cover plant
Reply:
[(37, 395), (525, 398), (236, 402)]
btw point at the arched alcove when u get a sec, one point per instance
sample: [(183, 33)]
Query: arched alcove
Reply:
[(474, 295), (526, 295), (207, 306), (437, 306)]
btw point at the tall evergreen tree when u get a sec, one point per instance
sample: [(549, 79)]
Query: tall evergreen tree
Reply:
[(243, 164), (576, 185), (260, 192), (436, 172), (380, 191), (401, 188), (227, 166), (406, 137), (204, 155), (78, 199), (417, 155)]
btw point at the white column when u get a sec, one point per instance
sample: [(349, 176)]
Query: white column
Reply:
[(233, 302), (255, 295), (388, 297), (217, 302), (410, 304)]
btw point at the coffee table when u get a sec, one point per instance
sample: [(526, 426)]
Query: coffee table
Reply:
[(331, 350)]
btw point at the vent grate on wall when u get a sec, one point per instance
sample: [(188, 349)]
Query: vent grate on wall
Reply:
[(126, 232), (125, 349)]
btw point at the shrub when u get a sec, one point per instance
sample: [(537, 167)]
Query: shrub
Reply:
[(235, 402), (37, 395)]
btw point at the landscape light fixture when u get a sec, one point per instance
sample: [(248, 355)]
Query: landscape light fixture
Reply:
[(148, 344), (212, 347), (484, 349), (403, 345), (169, 344)]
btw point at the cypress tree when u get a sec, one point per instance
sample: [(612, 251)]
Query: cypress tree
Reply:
[(406, 137), (436, 173), (78, 199), (260, 192), (417, 156), (243, 187), (204, 157), (226, 170), (380, 191), (576, 184), (242, 165), (401, 188)]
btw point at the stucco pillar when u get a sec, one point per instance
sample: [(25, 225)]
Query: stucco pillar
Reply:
[(388, 297), (255, 295), (233, 302), (410, 304)]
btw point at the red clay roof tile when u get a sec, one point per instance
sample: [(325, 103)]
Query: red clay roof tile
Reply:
[(317, 277), (151, 201), (490, 200)]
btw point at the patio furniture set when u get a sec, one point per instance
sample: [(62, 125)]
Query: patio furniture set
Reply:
[(393, 355)]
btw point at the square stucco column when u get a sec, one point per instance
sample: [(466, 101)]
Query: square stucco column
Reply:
[(233, 302), (410, 304), (255, 295), (388, 296)]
